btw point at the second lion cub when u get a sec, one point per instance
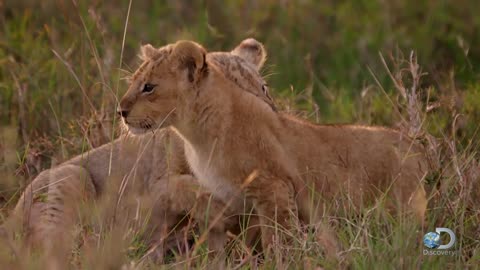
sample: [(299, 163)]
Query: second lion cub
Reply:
[(229, 133)]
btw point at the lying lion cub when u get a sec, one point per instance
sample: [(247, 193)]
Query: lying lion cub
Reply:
[(229, 134), (153, 165)]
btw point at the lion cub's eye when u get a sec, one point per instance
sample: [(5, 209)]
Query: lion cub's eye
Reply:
[(148, 88), (265, 89)]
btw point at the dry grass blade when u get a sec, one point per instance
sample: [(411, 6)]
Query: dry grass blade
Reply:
[(126, 179), (21, 91), (118, 81), (72, 72)]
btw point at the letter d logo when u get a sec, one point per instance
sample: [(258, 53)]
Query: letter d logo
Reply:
[(450, 233)]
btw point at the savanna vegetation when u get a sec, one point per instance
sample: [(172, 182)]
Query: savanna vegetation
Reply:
[(411, 65)]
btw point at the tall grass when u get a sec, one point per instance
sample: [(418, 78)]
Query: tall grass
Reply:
[(61, 63)]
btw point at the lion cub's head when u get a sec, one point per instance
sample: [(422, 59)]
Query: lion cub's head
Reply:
[(168, 72)]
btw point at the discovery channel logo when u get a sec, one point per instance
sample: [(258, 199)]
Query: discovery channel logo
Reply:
[(432, 241)]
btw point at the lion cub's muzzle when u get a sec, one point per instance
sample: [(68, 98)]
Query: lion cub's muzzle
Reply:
[(136, 125), (124, 107)]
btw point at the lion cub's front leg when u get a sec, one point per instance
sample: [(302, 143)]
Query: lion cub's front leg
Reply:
[(179, 196), (273, 200)]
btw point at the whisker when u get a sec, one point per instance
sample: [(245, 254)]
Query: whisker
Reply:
[(127, 72)]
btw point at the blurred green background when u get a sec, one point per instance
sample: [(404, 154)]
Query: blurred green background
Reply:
[(61, 62)]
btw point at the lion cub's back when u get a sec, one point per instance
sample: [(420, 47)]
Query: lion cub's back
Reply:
[(351, 147)]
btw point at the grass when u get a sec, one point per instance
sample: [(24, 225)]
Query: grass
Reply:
[(61, 69)]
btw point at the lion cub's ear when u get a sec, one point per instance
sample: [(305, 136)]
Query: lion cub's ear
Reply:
[(251, 51), (190, 56), (147, 51)]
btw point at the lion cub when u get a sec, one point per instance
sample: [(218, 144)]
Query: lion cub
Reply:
[(154, 169), (229, 133)]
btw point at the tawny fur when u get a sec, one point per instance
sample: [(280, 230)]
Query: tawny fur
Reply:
[(153, 165), (302, 168)]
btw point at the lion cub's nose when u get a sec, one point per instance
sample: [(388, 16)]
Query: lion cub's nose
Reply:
[(122, 113)]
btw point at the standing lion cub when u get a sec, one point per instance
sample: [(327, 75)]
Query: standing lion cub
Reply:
[(230, 133)]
